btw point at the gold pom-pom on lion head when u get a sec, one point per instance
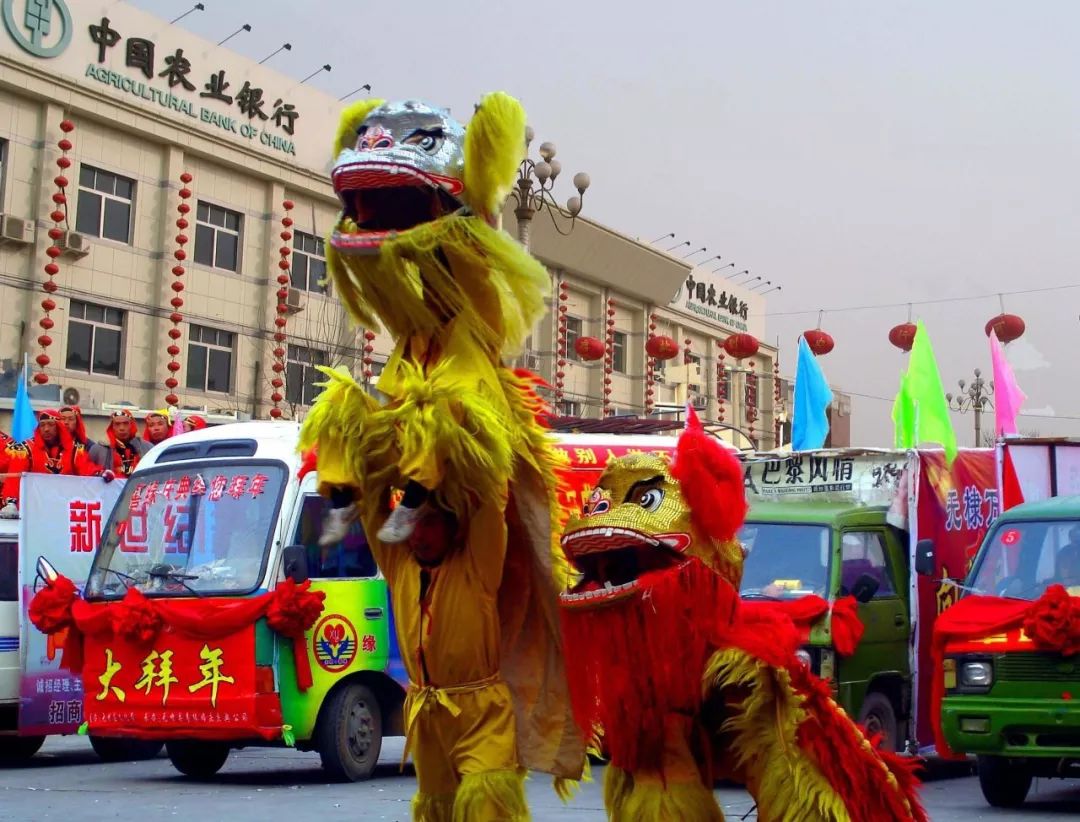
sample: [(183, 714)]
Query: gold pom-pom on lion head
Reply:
[(398, 165)]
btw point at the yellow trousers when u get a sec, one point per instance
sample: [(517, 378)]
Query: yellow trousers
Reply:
[(464, 749)]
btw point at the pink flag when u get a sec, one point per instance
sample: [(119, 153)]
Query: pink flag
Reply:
[(1007, 394), (178, 423)]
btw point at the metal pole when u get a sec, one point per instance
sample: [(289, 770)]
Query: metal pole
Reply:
[(977, 405)]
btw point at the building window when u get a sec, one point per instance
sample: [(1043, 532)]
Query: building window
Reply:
[(301, 374), (94, 338), (217, 237), (573, 332), (618, 352), (308, 263), (210, 358), (104, 204)]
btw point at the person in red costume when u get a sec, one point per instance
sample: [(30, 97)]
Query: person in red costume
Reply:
[(50, 451), (72, 417), (194, 423), (156, 428), (124, 449)]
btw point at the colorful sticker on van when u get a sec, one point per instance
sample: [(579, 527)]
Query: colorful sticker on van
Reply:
[(334, 643)]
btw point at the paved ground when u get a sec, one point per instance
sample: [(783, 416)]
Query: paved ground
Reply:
[(67, 782)]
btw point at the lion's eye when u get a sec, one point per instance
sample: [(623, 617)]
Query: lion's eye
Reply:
[(650, 500)]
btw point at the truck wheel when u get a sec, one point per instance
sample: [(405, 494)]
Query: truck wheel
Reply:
[(196, 758), (124, 750), (350, 734), (878, 717), (18, 748), (1005, 782)]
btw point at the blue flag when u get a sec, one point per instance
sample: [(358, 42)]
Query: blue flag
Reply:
[(23, 421), (810, 423)]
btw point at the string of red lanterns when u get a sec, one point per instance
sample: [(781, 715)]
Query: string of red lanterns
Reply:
[(650, 366), (52, 268), (751, 397), (284, 280), (609, 355), (721, 385), (560, 342), (776, 399), (177, 301), (368, 360)]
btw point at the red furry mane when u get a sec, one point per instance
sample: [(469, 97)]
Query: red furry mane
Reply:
[(711, 479)]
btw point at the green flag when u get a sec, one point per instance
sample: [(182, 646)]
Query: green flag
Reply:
[(921, 412)]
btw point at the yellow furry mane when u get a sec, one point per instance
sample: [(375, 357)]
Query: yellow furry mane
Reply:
[(494, 146)]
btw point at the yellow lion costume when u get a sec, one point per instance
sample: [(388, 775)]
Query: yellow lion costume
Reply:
[(418, 249)]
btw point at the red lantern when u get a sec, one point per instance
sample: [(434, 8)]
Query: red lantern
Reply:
[(741, 346), (903, 335), (1009, 327), (589, 348), (820, 342), (661, 347)]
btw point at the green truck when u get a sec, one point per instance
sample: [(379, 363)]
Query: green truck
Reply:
[(1012, 702), (860, 522)]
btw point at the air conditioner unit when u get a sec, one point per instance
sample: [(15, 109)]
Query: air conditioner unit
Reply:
[(15, 230), (698, 401), (295, 301), (73, 244), (531, 362)]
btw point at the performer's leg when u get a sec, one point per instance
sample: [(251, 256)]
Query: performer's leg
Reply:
[(678, 794), (436, 781), (485, 756)]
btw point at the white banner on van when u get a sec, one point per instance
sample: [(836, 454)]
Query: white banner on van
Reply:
[(869, 478), (61, 519)]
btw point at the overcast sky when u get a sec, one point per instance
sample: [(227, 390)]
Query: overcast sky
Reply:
[(855, 153)]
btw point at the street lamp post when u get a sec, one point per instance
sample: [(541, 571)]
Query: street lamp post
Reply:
[(532, 192), (974, 397)]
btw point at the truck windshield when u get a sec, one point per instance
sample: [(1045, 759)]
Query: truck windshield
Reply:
[(784, 560), (1020, 559), (190, 529)]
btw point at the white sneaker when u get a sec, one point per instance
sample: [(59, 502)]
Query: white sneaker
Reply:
[(399, 525), (335, 526), (9, 511)]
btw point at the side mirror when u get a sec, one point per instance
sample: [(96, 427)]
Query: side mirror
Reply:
[(294, 563), (925, 561), (864, 588)]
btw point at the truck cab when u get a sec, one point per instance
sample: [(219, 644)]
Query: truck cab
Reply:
[(834, 550), (1008, 702)]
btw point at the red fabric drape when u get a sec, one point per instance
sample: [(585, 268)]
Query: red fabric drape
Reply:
[(847, 628), (1052, 622), (290, 610)]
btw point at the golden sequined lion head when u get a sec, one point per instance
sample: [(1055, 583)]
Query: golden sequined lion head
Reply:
[(649, 516)]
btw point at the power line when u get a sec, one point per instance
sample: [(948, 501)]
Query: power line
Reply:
[(1031, 416), (922, 302)]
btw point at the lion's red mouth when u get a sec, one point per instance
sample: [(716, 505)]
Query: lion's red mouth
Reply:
[(379, 200), (612, 562)]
